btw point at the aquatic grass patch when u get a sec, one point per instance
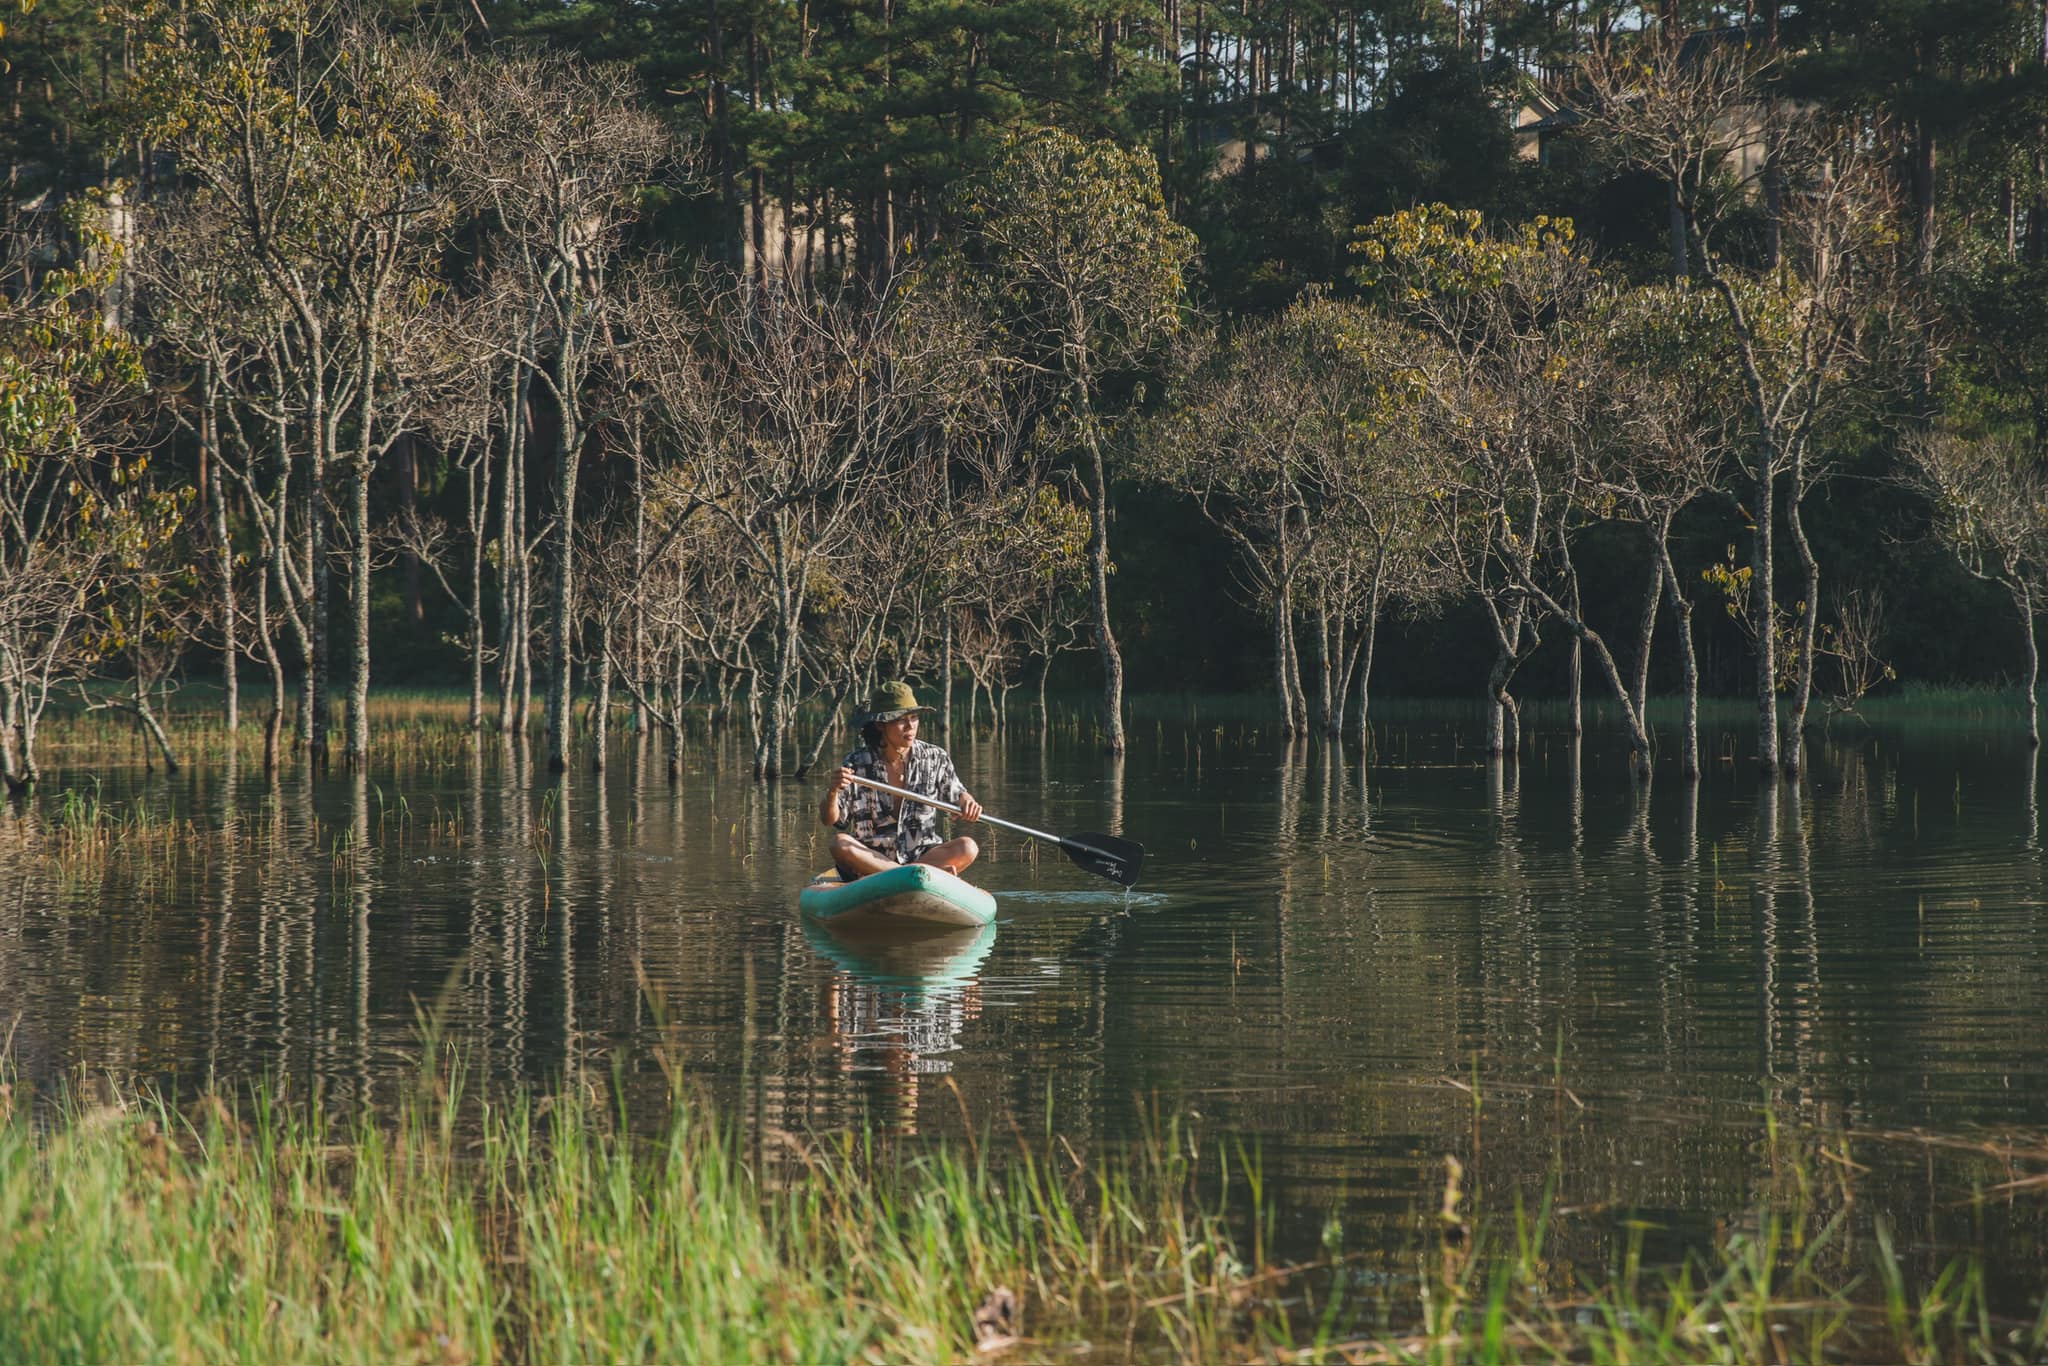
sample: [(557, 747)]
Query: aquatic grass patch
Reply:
[(545, 1227), (542, 1228)]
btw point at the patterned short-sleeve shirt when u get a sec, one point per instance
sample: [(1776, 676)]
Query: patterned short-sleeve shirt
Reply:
[(873, 817)]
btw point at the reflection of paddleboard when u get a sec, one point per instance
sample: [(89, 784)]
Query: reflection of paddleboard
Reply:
[(948, 958), (914, 894)]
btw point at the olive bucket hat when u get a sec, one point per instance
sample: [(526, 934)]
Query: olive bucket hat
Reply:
[(890, 701)]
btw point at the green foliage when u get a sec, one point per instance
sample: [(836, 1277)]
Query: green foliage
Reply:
[(1068, 239), (59, 355)]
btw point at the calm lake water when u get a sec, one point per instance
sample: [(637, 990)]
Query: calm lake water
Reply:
[(1353, 969)]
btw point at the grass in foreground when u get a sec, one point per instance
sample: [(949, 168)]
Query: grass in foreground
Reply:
[(461, 1230)]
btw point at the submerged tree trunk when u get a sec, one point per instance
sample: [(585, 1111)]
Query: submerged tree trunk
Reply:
[(1763, 610), (601, 706), (1807, 625), (224, 563), (318, 684), (2024, 600), (146, 715), (273, 727), (1503, 716), (357, 748), (1283, 682), (1646, 631), (1681, 610), (511, 537), (1098, 575), (561, 698), (1326, 706)]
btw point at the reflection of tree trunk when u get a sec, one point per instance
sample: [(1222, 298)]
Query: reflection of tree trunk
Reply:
[(1575, 776), (1114, 790), (1764, 867)]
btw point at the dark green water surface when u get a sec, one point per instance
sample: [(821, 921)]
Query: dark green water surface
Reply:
[(1354, 970)]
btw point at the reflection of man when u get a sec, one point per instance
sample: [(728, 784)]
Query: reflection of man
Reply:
[(878, 831), (883, 1035)]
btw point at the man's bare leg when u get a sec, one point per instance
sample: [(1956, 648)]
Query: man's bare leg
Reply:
[(855, 860), (954, 855)]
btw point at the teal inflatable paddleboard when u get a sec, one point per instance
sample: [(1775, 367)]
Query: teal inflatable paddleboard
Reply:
[(915, 894)]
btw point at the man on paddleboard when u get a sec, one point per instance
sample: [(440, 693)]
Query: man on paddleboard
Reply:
[(877, 831)]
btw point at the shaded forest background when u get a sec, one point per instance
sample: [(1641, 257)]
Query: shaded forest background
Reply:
[(831, 136)]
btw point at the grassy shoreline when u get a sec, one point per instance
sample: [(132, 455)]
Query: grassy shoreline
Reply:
[(538, 1227)]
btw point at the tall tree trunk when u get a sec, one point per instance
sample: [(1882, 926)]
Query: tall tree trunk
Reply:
[(1764, 608), (1297, 693), (946, 673), (357, 748), (1283, 682), (224, 562), (1923, 201), (273, 728), (600, 715), (1370, 643), (522, 626), (2024, 600), (511, 545), (562, 595), (1326, 704), (1646, 630), (477, 479), (637, 662), (318, 683), (409, 499), (1681, 611), (1503, 720), (1809, 619), (1098, 575), (1679, 268)]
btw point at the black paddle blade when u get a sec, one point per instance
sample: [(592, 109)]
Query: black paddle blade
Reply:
[(1106, 856)]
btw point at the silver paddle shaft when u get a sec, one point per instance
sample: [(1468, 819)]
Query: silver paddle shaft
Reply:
[(947, 806)]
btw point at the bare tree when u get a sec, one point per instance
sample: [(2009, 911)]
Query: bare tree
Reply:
[(67, 382), (1506, 420), (1990, 501), (560, 151), (1076, 253), (1695, 118), (1663, 436)]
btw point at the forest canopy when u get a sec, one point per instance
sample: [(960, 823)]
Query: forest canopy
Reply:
[(740, 353)]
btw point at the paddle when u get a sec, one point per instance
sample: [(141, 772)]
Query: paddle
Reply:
[(1103, 855)]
